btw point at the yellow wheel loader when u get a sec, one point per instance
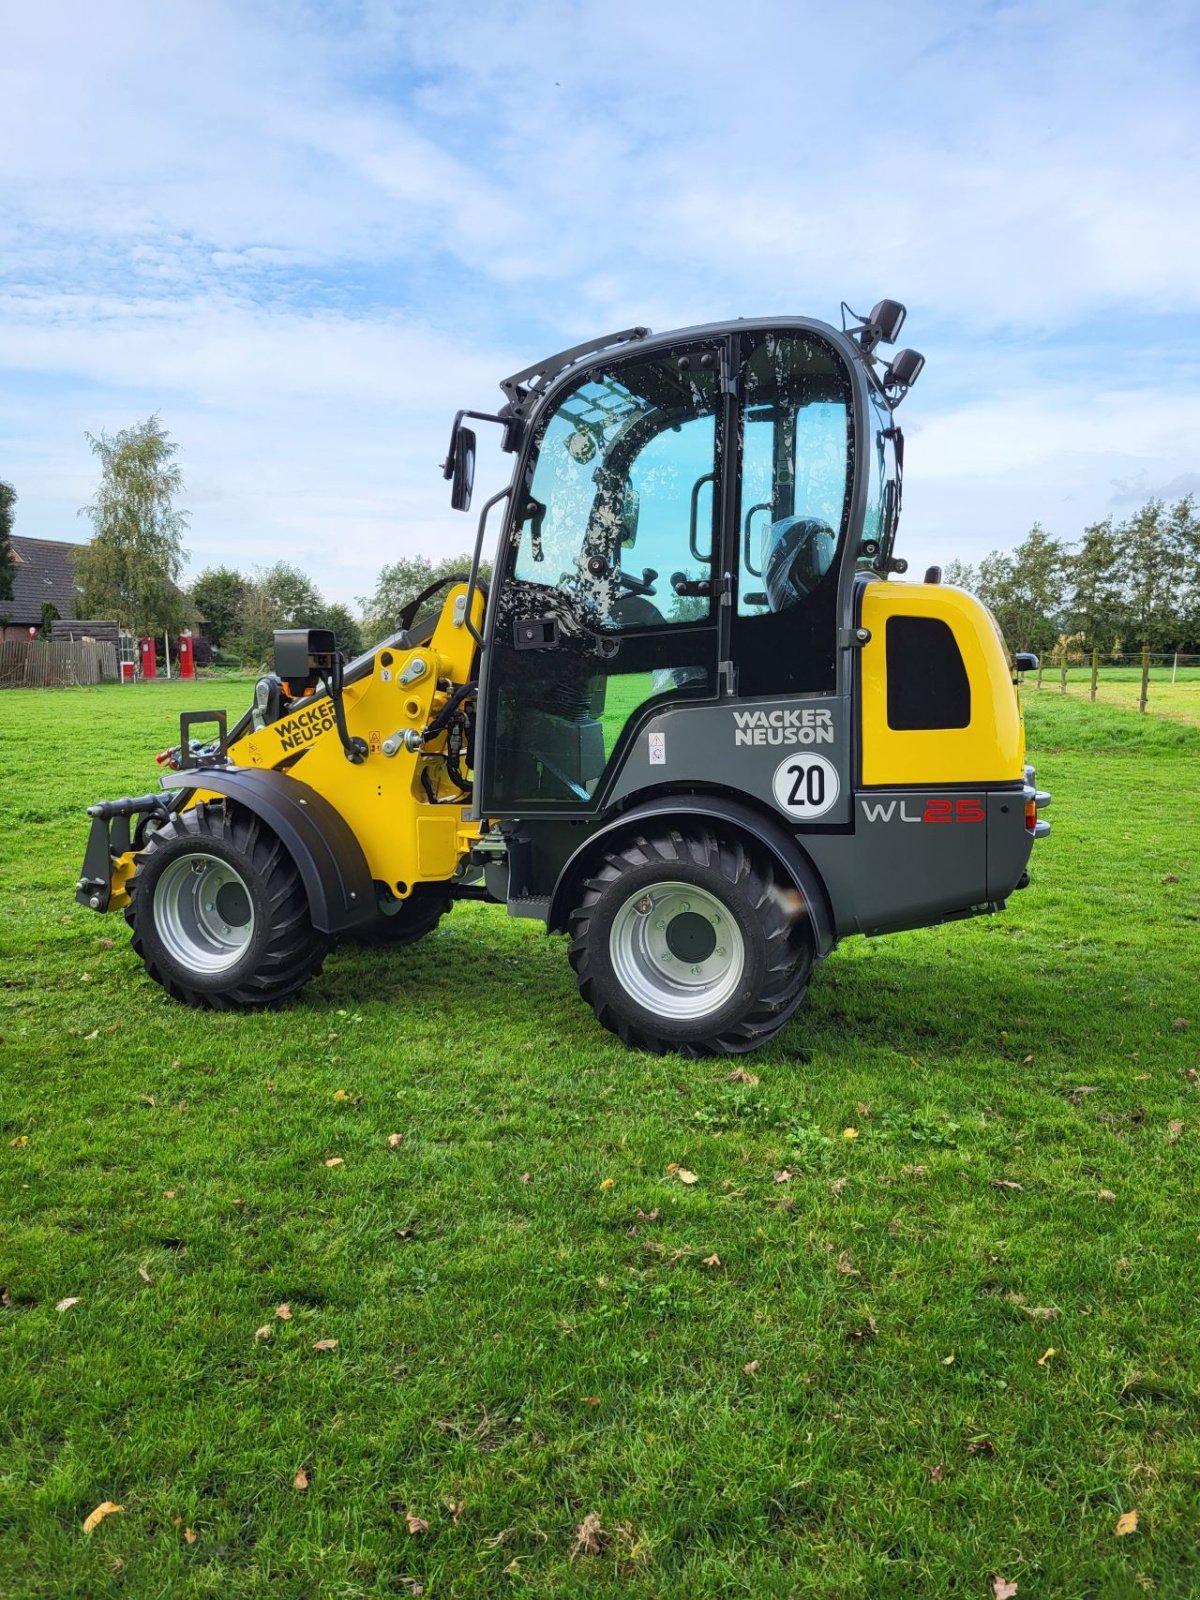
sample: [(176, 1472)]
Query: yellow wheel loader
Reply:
[(692, 723)]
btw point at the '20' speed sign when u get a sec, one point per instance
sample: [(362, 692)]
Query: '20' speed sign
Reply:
[(806, 786)]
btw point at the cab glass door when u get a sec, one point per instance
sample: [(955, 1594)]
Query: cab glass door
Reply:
[(797, 471), (606, 602)]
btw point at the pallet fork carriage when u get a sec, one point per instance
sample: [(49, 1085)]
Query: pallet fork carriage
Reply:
[(705, 768)]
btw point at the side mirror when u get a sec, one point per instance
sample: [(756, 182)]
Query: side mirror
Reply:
[(462, 468), (1025, 661)]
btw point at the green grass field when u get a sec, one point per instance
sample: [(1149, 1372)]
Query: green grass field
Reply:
[(1122, 686), (823, 1369)]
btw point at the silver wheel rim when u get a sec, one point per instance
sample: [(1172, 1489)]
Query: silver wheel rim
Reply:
[(677, 951), (203, 912)]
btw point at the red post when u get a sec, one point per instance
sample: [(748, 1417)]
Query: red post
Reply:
[(187, 657), (146, 658)]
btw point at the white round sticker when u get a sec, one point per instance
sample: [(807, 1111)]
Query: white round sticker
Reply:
[(806, 786)]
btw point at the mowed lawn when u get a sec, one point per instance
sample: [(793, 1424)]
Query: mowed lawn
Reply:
[(926, 1317)]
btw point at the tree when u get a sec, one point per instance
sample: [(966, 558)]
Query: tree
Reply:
[(345, 627), (8, 499), (219, 594), (402, 582), (276, 597), (960, 575), (130, 567), (1026, 591), (1154, 549), (1096, 580)]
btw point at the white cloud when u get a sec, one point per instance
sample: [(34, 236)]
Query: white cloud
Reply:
[(308, 234)]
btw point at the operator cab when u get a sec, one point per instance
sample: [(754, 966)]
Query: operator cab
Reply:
[(686, 518)]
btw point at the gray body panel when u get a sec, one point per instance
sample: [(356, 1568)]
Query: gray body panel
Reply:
[(740, 746)]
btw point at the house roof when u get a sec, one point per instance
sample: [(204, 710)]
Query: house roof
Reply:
[(43, 569)]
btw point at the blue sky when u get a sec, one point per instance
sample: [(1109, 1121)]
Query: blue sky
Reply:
[(306, 233)]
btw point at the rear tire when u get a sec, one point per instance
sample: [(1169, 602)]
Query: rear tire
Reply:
[(219, 912), (682, 941)]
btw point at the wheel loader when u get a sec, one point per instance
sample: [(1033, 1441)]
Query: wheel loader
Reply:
[(692, 722)]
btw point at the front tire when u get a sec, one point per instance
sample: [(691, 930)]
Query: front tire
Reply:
[(219, 912), (683, 941)]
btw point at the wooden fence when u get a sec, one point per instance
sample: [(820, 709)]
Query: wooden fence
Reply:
[(43, 664)]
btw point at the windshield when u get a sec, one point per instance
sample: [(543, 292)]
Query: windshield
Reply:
[(623, 484)]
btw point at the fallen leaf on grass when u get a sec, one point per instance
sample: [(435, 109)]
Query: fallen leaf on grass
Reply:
[(1126, 1523), (1105, 1194), (108, 944), (455, 1508), (19, 1142), (413, 1585), (606, 1183), (65, 1305), (648, 1216), (750, 1368), (190, 1536), (937, 1473), (1170, 877), (144, 1275), (589, 1400), (283, 1311), (1002, 1589), (325, 1344), (740, 1075), (300, 1481), (713, 1260), (169, 1194), (340, 1094), (1043, 1359), (783, 1177), (590, 1537), (948, 1361), (912, 1170), (846, 1267), (1181, 1023), (836, 1185), (527, 1177), (415, 1524), (979, 1447), (685, 1176), (93, 1520), (334, 1161), (264, 1332), (1005, 1183), (849, 1133), (395, 1140), (5, 1297), (1174, 1131), (867, 1331)]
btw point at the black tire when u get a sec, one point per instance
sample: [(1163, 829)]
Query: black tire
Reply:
[(281, 949), (417, 916), (777, 950)]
